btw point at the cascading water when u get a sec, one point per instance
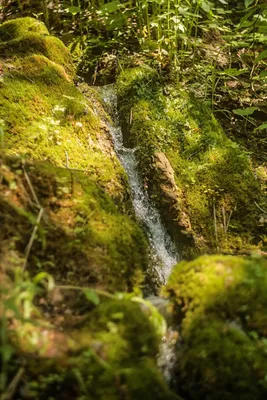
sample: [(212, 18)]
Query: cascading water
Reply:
[(163, 252)]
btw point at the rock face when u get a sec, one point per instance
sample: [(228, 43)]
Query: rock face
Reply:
[(170, 199), (201, 181), (220, 304)]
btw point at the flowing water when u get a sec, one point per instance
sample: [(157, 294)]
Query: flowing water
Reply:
[(163, 252)]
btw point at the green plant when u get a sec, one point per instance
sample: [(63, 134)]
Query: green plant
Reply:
[(18, 305)]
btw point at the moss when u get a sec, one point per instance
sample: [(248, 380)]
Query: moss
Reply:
[(18, 27), (220, 302), (89, 235), (126, 340), (26, 36), (47, 117), (83, 239), (212, 174), (110, 354)]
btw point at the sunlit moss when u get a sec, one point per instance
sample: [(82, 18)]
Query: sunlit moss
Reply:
[(220, 302), (213, 175), (45, 117), (25, 36)]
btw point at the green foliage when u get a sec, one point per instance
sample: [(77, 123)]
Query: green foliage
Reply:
[(220, 302), (18, 304)]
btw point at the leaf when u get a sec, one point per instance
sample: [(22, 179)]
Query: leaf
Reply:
[(110, 7), (246, 111), (263, 74), (262, 127), (44, 275), (91, 296), (6, 352), (248, 3), (73, 10), (233, 71), (261, 56), (205, 6)]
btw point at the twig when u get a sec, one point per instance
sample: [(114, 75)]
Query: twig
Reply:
[(265, 212), (98, 291), (9, 393), (228, 222), (224, 219), (29, 246), (31, 188), (67, 159), (215, 222)]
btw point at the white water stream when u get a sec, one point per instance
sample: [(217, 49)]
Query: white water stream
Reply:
[(163, 251)]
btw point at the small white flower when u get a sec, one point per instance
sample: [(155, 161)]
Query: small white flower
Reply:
[(79, 124)]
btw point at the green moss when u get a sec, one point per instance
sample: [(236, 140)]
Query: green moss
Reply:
[(110, 354), (124, 361), (88, 237), (212, 174), (220, 302), (18, 27), (84, 238), (47, 117), (26, 36)]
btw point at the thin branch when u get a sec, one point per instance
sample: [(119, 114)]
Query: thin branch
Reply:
[(265, 212), (215, 222), (224, 219), (31, 188), (98, 291), (67, 159), (29, 246), (228, 222), (11, 389)]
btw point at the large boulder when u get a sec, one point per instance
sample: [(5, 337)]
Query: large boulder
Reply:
[(219, 304), (107, 352), (58, 155)]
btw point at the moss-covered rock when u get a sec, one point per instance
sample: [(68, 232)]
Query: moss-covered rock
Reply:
[(26, 36), (109, 353), (202, 182), (83, 238), (220, 304), (64, 151)]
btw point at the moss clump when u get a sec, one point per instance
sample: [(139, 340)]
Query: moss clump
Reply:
[(25, 36), (204, 174), (221, 302), (83, 238), (18, 27), (126, 340), (109, 353)]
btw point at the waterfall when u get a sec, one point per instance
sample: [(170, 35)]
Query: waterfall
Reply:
[(163, 252)]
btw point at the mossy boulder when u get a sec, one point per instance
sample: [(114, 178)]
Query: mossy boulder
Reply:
[(27, 36), (56, 144), (108, 353), (202, 182), (220, 305)]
